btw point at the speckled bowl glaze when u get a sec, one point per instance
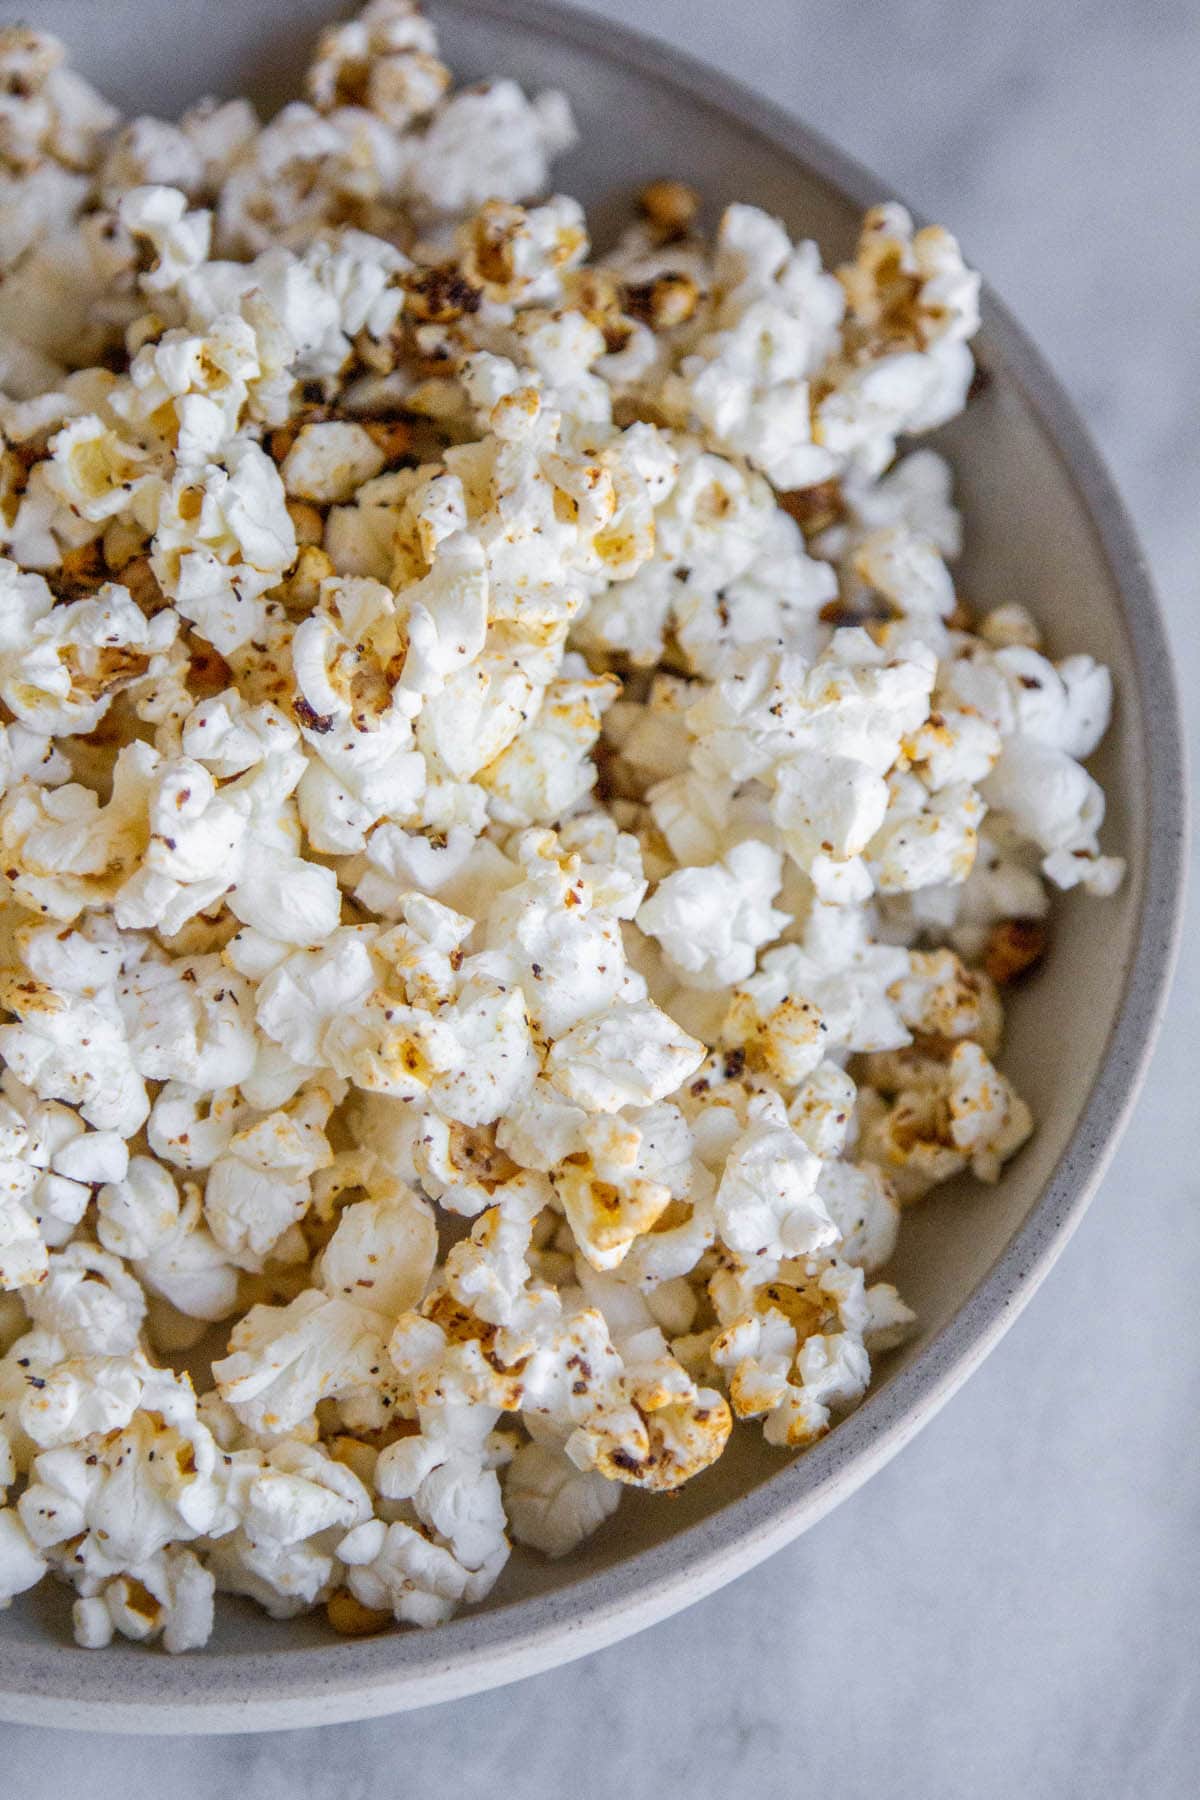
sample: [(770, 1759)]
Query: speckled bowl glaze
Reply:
[(1044, 525)]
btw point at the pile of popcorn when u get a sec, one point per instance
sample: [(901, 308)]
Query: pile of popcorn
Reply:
[(511, 839)]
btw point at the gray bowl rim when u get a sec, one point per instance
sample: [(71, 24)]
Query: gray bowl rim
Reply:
[(128, 1690)]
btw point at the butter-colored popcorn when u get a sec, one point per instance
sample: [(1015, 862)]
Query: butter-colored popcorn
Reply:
[(941, 1116), (385, 59), (797, 1358)]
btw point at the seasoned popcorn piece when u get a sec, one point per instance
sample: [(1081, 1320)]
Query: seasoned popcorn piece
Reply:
[(890, 1322), (547, 768), (797, 1356), (385, 59), (49, 1165), (1049, 717), (68, 1040), (444, 1471), (487, 143), (774, 320), (866, 1212), (62, 666), (939, 998), (821, 1110), (383, 1250), (22, 1564), (260, 1185), (221, 542), (925, 841), (126, 1495), (629, 1169), (959, 1112), (330, 462), (396, 1569)]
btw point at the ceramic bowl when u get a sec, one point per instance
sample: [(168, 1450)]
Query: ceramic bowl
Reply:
[(1043, 524)]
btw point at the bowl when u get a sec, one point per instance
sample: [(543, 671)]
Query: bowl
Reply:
[(1044, 524)]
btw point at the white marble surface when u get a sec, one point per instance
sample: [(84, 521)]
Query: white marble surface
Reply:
[(1010, 1611)]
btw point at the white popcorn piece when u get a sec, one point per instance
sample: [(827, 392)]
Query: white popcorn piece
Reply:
[(21, 1563), (383, 1251), (775, 320), (284, 1359), (631, 1055), (89, 1301), (291, 1506), (486, 143), (152, 1484), (221, 542), (865, 1211), (711, 922), (767, 1200), (890, 1322), (168, 1598)]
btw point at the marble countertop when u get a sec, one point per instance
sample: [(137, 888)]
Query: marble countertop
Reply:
[(1010, 1609)]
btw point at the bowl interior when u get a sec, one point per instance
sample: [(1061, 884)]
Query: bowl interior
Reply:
[(1029, 537)]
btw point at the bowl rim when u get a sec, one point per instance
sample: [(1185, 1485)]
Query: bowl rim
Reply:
[(273, 1689)]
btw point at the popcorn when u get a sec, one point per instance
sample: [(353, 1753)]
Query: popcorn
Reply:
[(383, 1251), (145, 1486), (712, 921), (21, 1564), (865, 1211), (799, 1357), (488, 142), (220, 543), (286, 1359), (330, 462), (260, 1185), (776, 315), (389, 53), (767, 1200), (514, 848), (552, 1506), (169, 1598), (631, 1055), (958, 1112), (293, 1504)]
